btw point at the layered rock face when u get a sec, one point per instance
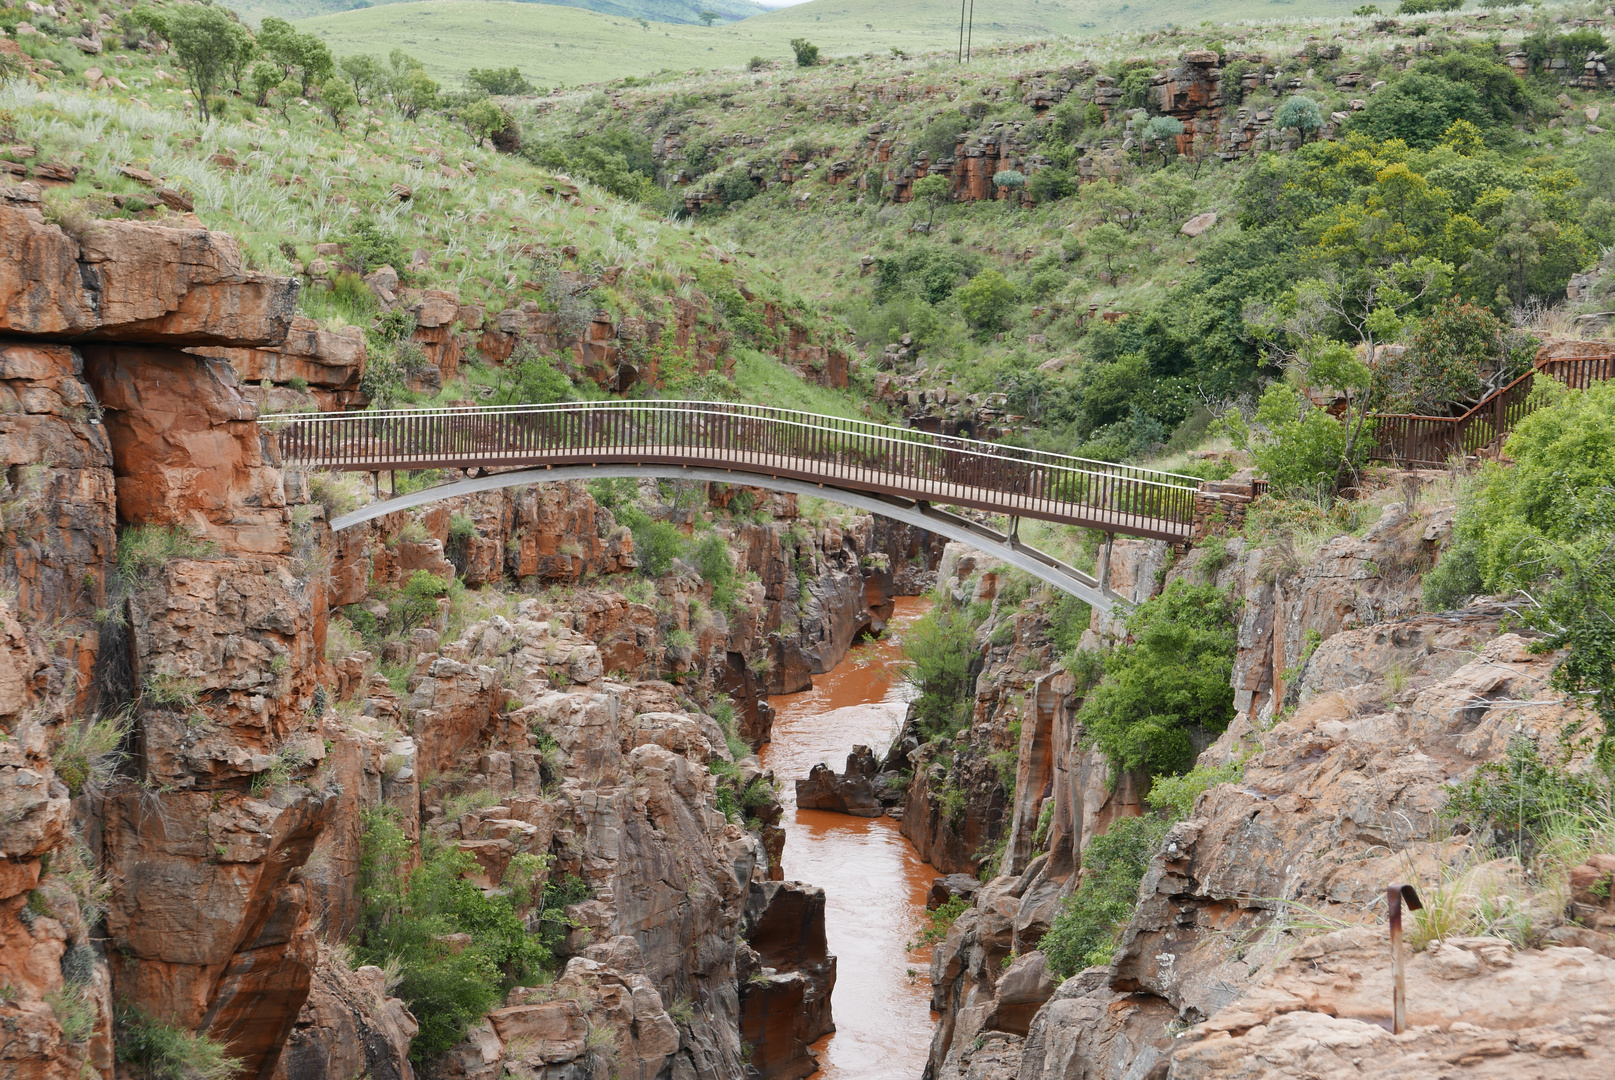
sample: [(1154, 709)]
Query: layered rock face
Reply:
[(207, 652), (1354, 718)]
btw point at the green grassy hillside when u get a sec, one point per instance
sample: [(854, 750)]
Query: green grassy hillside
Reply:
[(568, 46), (668, 11)]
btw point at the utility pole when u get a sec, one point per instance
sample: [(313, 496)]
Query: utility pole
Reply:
[(972, 30), (961, 31)]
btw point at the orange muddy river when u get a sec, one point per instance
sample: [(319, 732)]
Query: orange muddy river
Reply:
[(874, 883)]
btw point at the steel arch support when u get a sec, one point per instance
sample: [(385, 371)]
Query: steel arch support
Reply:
[(1044, 567)]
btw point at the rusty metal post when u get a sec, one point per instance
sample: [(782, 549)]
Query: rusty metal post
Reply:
[(1394, 897)]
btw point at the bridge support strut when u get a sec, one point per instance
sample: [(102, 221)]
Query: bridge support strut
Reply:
[(918, 513)]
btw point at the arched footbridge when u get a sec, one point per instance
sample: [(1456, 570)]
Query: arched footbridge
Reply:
[(898, 472)]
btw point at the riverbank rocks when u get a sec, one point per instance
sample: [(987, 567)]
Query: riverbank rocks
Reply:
[(785, 999), (862, 791)]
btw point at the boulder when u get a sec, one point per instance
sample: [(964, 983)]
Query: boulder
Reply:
[(852, 792)]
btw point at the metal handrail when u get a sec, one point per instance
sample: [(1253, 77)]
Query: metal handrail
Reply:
[(1410, 438), (837, 451)]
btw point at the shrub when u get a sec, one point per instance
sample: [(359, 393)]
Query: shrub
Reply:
[(941, 921), (416, 603), (89, 752), (367, 246), (1544, 527), (807, 53), (711, 556), (1418, 108), (941, 651), (987, 300), (1425, 7), (1170, 685), (1089, 924), (407, 913), (531, 379), (498, 81), (1301, 449), (1049, 184), (1516, 803), (656, 545), (154, 1050)]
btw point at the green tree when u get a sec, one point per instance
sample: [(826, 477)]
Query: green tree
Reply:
[(1418, 108), (707, 17), (1087, 927), (483, 119), (1168, 689), (986, 300), (1009, 180), (1301, 449), (807, 53), (1455, 356), (932, 192), (302, 55), (503, 81), (206, 41), (364, 72), (1301, 114), (1162, 132), (530, 379), (1108, 242), (412, 90), (338, 99)]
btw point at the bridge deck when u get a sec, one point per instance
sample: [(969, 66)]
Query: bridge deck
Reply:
[(826, 451)]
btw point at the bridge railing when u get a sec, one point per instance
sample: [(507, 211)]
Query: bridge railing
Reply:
[(1431, 441), (857, 453)]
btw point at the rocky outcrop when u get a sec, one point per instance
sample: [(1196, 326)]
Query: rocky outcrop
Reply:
[(135, 282), (186, 448), (1477, 1003), (312, 363), (58, 503), (785, 996), (852, 792), (349, 1026)]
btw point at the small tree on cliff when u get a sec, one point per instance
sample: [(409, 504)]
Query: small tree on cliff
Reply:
[(931, 192), (807, 53), (1299, 113)]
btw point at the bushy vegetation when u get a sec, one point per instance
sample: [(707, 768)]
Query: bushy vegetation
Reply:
[(407, 914), (1544, 528), (943, 661), (1085, 930), (154, 1050), (1168, 688)]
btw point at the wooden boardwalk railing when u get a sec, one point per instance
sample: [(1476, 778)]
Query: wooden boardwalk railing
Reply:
[(1430, 441), (830, 451)]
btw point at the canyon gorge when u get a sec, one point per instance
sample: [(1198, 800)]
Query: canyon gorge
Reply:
[(176, 583), (658, 777)]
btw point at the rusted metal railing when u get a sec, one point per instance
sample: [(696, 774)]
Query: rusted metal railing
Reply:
[(1431, 441), (832, 451)]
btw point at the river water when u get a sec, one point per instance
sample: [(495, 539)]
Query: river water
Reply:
[(874, 883)]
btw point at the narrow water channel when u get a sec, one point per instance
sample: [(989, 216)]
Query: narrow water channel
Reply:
[(874, 883)]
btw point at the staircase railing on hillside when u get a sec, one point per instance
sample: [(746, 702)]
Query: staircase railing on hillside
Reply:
[(831, 451), (1431, 441)]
